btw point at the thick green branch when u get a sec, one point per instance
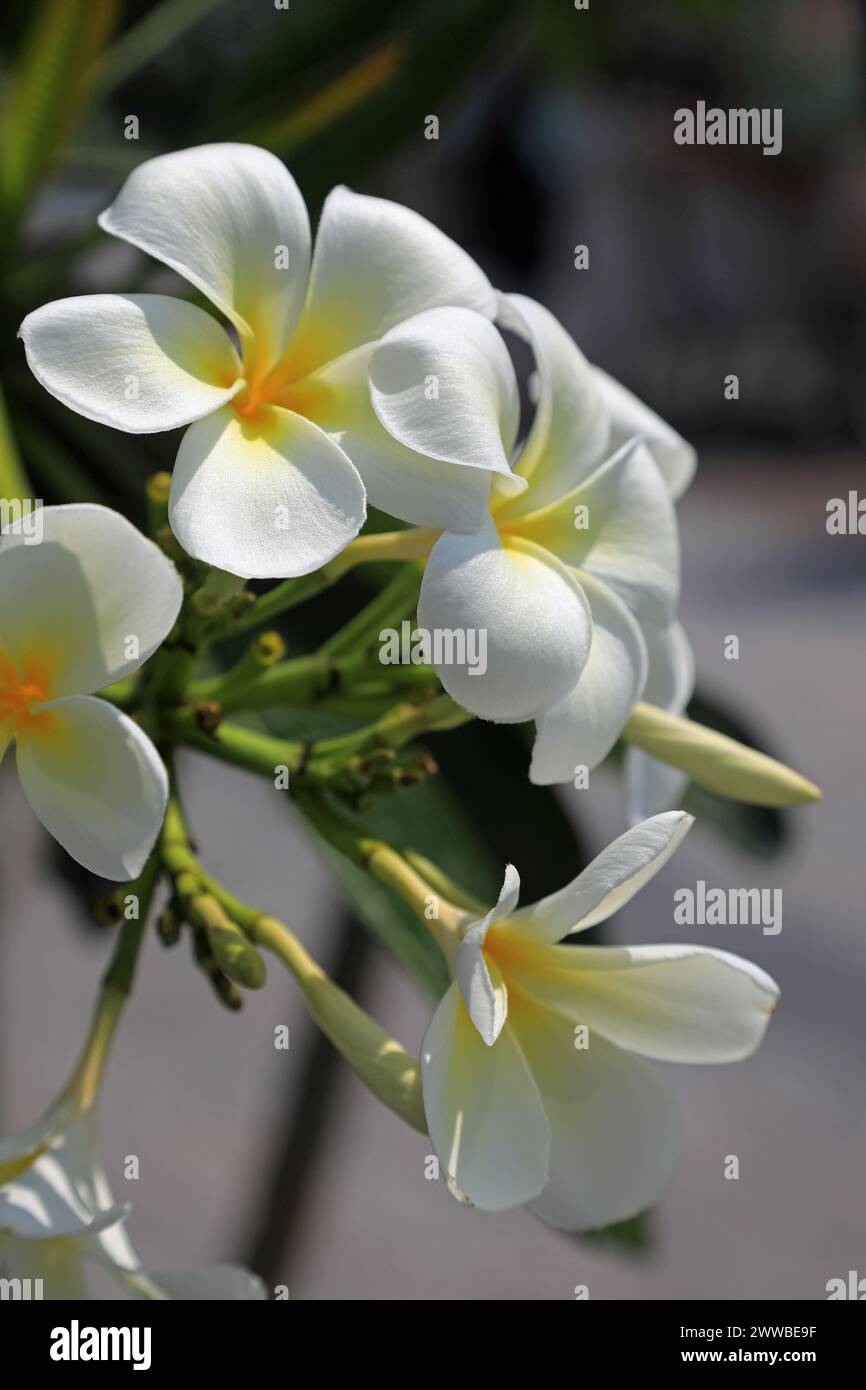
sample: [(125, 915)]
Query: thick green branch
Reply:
[(265, 755)]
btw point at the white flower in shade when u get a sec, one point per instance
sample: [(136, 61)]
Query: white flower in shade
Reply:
[(575, 580), (532, 1092), (81, 608), (57, 1215), (268, 477)]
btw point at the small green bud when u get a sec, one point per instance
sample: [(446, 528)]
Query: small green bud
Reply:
[(269, 648), (233, 952)]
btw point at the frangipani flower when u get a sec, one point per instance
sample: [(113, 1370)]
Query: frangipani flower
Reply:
[(576, 579), (268, 478), (531, 1089), (81, 608), (57, 1214)]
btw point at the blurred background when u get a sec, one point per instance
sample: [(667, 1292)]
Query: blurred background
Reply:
[(555, 129)]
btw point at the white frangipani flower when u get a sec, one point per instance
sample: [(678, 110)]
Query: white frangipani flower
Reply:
[(81, 608), (268, 478), (58, 1214), (531, 1090), (576, 579)]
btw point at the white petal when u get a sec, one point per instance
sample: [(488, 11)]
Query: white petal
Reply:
[(483, 989), (480, 981), (138, 362), (627, 536), (55, 1263), (528, 608), (442, 383), (570, 431), (89, 603), (483, 1109), (375, 264), (44, 1203), (671, 673), (225, 217), (264, 500), (629, 416), (421, 490), (221, 1283), (672, 1003), (614, 1120), (97, 783), (19, 1150), (653, 786), (582, 728), (509, 895), (608, 883)]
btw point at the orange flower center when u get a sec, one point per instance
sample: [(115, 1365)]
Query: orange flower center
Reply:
[(20, 694), (290, 383)]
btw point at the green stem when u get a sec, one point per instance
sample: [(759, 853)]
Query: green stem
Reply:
[(390, 545), (116, 987), (308, 680), (231, 743), (263, 754), (398, 597), (249, 686), (387, 865), (381, 1063)]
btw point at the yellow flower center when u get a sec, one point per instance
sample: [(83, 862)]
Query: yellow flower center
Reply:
[(288, 384), (20, 695)]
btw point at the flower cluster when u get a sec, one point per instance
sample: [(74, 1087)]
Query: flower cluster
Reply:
[(372, 366)]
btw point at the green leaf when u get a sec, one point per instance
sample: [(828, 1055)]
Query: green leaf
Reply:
[(156, 31), (762, 831), (486, 767), (13, 480), (354, 118), (392, 923), (428, 819), (52, 465), (46, 93), (633, 1237), (301, 48)]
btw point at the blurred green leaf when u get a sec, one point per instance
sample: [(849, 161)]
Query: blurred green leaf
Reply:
[(634, 1237), (46, 93), (13, 480), (762, 831), (162, 26), (335, 100), (352, 119), (304, 47), (487, 768), (51, 463)]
